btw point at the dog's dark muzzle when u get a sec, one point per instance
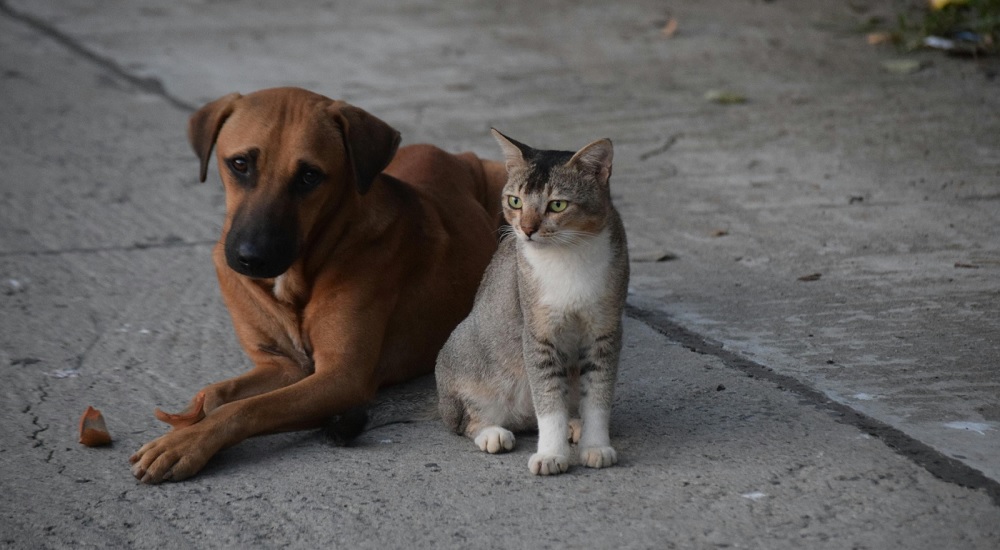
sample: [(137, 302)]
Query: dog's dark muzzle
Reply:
[(260, 250)]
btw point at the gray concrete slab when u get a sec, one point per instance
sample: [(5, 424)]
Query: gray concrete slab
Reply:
[(884, 184)]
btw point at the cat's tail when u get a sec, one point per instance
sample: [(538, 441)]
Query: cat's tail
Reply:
[(413, 401)]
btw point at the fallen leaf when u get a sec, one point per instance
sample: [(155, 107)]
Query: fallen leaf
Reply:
[(964, 265), (903, 66), (875, 38), (93, 430), (670, 28), (720, 233), (811, 277), (725, 97)]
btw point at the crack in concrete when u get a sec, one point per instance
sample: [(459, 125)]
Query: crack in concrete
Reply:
[(37, 440), (939, 465), (43, 394), (662, 148), (109, 248), (150, 85), (82, 356)]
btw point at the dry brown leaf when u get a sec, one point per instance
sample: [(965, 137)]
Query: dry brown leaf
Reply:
[(811, 277), (720, 232), (670, 29), (875, 38), (93, 430)]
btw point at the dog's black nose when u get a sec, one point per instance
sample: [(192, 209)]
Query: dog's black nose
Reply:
[(249, 257), (261, 252)]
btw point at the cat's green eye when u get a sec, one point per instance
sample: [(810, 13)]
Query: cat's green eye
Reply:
[(514, 202), (558, 206)]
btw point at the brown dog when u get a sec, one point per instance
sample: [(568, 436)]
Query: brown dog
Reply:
[(342, 271)]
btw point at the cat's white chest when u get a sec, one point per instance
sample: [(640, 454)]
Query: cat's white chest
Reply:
[(571, 278)]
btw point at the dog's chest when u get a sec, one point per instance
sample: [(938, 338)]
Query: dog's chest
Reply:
[(295, 343), (289, 289)]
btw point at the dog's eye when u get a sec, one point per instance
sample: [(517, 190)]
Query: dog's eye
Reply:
[(308, 179), (239, 165), (311, 177)]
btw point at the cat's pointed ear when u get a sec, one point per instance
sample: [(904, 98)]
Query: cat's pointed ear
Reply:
[(512, 150), (595, 159)]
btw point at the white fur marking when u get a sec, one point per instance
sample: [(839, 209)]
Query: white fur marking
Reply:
[(279, 287), (553, 445), (553, 434), (595, 444), (571, 277), (596, 421)]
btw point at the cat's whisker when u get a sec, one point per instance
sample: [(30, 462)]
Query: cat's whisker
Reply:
[(570, 237), (504, 232)]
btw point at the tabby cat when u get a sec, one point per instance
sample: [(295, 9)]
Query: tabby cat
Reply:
[(543, 338)]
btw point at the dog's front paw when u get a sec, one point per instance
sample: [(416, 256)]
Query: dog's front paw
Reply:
[(495, 439), (177, 455), (598, 457), (543, 464)]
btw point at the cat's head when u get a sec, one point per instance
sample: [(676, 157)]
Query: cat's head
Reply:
[(556, 197)]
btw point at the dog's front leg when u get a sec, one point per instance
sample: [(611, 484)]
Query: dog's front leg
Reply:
[(344, 378), (268, 374), (179, 454)]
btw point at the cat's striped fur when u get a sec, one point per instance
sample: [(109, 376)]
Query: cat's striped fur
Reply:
[(541, 344)]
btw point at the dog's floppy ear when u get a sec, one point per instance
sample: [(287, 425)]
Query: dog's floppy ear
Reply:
[(370, 142), (204, 126)]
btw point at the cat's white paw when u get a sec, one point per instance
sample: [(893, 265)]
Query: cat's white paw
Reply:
[(495, 439), (542, 464), (575, 429), (598, 457)]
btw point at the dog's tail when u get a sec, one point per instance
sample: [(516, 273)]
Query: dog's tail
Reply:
[(413, 401)]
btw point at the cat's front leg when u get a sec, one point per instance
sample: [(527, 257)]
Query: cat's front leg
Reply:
[(547, 376), (597, 382), (553, 445), (595, 443)]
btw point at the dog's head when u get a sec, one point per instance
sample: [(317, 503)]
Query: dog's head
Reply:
[(287, 158)]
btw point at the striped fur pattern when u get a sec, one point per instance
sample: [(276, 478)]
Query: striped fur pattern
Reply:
[(540, 347)]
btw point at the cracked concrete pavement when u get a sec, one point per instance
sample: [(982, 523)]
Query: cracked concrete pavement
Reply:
[(859, 408)]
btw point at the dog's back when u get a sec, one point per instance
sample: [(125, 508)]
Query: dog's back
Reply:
[(432, 170)]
